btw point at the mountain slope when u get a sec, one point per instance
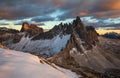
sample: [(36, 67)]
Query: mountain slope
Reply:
[(15, 64), (46, 47), (84, 55)]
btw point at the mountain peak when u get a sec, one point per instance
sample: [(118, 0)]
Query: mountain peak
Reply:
[(78, 18), (25, 27), (31, 29), (77, 23)]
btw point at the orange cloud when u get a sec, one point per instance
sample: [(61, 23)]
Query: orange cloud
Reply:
[(58, 3), (83, 13), (112, 14), (113, 5), (116, 5), (4, 14)]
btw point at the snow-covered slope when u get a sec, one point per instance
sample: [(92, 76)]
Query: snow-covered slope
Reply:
[(15, 64), (45, 47)]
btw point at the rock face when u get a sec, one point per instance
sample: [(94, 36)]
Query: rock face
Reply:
[(4, 47), (35, 30), (32, 29), (6, 34), (61, 29), (6, 30), (25, 27), (83, 52), (110, 45), (85, 33)]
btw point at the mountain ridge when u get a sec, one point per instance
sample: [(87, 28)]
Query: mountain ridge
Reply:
[(72, 46)]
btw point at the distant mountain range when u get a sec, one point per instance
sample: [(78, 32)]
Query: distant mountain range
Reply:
[(72, 46), (112, 35)]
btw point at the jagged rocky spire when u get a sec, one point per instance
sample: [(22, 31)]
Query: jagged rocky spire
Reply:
[(78, 23)]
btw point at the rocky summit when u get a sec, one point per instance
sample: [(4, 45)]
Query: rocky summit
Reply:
[(31, 29), (72, 46)]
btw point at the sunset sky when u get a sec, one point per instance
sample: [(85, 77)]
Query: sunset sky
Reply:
[(47, 13)]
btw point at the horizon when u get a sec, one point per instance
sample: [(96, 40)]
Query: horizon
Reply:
[(100, 30)]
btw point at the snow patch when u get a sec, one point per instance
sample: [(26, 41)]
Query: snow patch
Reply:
[(68, 72), (73, 52), (15, 64), (47, 47)]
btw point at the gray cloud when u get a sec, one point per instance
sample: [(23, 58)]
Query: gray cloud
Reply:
[(41, 19), (37, 23), (19, 23), (19, 9)]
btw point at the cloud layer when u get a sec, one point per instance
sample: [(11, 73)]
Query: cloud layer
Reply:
[(47, 13), (19, 9)]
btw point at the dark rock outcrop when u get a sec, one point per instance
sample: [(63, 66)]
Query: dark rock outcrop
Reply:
[(87, 34), (35, 30), (6, 34), (7, 30), (61, 29)]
